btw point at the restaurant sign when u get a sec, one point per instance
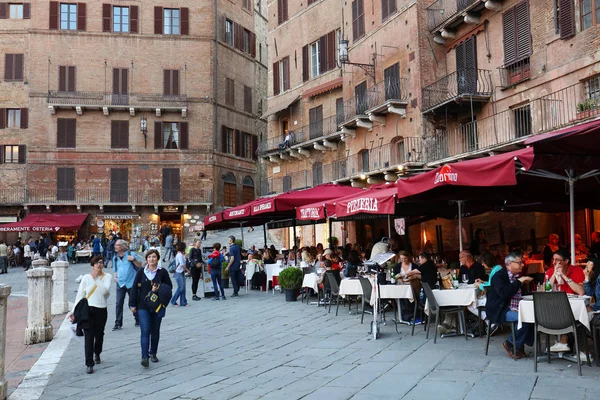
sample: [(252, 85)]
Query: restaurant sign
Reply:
[(310, 212), (170, 210), (363, 204), (5, 219), (212, 218), (262, 207), (236, 213), (117, 216), (445, 175)]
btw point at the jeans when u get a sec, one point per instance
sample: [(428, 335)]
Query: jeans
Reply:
[(215, 276), (236, 277), (110, 254), (94, 334), (522, 336), (180, 292), (150, 332), (203, 235), (169, 253), (196, 275), (4, 263), (121, 291)]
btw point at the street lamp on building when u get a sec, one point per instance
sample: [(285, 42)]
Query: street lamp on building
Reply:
[(345, 59), (144, 129)]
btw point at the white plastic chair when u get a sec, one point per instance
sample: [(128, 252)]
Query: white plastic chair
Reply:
[(250, 270)]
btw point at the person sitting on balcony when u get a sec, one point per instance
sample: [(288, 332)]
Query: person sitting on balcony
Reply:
[(286, 142)]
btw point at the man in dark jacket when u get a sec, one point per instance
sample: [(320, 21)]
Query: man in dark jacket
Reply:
[(502, 305), (471, 268)]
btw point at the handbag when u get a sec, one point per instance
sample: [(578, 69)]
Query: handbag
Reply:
[(81, 313)]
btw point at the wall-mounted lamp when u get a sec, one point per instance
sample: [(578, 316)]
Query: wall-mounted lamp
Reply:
[(345, 60), (144, 129)]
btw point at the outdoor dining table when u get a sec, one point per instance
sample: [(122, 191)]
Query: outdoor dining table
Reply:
[(311, 281), (350, 287), (578, 306), (83, 254), (454, 297)]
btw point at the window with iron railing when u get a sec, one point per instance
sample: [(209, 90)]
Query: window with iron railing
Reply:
[(592, 88), (522, 121), (360, 94)]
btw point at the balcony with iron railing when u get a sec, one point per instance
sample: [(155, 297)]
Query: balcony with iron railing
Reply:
[(106, 101), (556, 110), (451, 13), (320, 173), (303, 137), (464, 85), (105, 197), (514, 73)]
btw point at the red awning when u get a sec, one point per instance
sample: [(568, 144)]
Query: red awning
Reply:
[(311, 212), (46, 223), (237, 212), (324, 87), (213, 219), (499, 170), (379, 199)]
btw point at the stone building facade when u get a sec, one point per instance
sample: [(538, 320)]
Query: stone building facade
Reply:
[(148, 111)]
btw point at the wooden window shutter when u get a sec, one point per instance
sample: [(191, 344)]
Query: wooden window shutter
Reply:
[(305, 66), (523, 30), (285, 10), (134, 19), (247, 99), (223, 139), (184, 138), (71, 133), (62, 79), (158, 139), (124, 134), (106, 17), (3, 10), (509, 32), (276, 78), (254, 144), (158, 20), (2, 118), (53, 22), (279, 11), (60, 133), (19, 67), (26, 13), (567, 19), (185, 20), (238, 143), (286, 73), (71, 87), (115, 126), (223, 28), (81, 15), (175, 82), (24, 118), (22, 153), (355, 19), (232, 91), (331, 49), (361, 19), (385, 9), (167, 82), (8, 66), (323, 54), (252, 44)]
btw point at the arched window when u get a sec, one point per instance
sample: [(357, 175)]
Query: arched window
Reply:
[(229, 190), (247, 189)]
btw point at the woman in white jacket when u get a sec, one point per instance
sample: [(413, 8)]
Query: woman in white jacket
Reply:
[(96, 287)]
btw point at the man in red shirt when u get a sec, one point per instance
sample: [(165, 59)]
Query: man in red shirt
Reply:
[(567, 278)]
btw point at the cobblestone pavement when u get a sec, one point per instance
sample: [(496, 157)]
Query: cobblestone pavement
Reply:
[(258, 346)]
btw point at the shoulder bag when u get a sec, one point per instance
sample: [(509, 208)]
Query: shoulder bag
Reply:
[(81, 313)]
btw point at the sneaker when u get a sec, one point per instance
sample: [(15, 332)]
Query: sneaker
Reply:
[(583, 356), (235, 295), (445, 330), (559, 347), (117, 327), (145, 362), (97, 359), (215, 299), (153, 358), (416, 321), (224, 298), (89, 370), (196, 298), (509, 348)]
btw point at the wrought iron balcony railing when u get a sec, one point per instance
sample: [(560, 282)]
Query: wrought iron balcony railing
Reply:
[(443, 10), (103, 99), (461, 84), (515, 73)]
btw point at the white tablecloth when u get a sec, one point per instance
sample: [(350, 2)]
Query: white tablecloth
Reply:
[(393, 292), (83, 253), (526, 313), (311, 281), (350, 287), (453, 297)]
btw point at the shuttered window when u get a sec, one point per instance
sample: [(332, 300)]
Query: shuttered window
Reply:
[(65, 133), (254, 147), (388, 7), (360, 95), (229, 92), (171, 135), (120, 20), (339, 111), (119, 185), (285, 73), (287, 183), (317, 173), (13, 67), (566, 18), (15, 11), (247, 99), (66, 79), (517, 33), (171, 82), (282, 11), (358, 19), (391, 76), (171, 184), (466, 66), (119, 135), (315, 116), (65, 184), (276, 88), (227, 140), (13, 154)]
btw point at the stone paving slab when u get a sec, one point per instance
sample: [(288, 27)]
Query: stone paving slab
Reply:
[(258, 346)]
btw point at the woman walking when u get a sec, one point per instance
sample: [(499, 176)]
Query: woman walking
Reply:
[(94, 286), (214, 262), (196, 261), (180, 273), (152, 279)]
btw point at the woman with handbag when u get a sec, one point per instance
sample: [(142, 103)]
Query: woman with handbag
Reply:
[(150, 295), (95, 288), (197, 263)]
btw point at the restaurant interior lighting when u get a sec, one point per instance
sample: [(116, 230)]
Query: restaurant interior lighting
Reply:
[(193, 221), (196, 217), (187, 216), (186, 225), (363, 176)]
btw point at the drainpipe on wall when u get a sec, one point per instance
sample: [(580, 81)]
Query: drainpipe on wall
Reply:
[(215, 88)]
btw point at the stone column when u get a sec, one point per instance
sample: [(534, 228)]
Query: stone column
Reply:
[(60, 303), (4, 293), (40, 262), (39, 303)]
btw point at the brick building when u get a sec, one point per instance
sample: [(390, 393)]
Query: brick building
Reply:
[(424, 83), (134, 112)]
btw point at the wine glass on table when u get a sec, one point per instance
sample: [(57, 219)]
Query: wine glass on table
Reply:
[(465, 278)]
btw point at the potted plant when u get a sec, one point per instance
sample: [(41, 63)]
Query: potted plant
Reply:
[(290, 279), (587, 108), (225, 274)]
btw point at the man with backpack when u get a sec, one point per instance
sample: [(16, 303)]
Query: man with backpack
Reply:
[(235, 262), (215, 259), (125, 265)]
